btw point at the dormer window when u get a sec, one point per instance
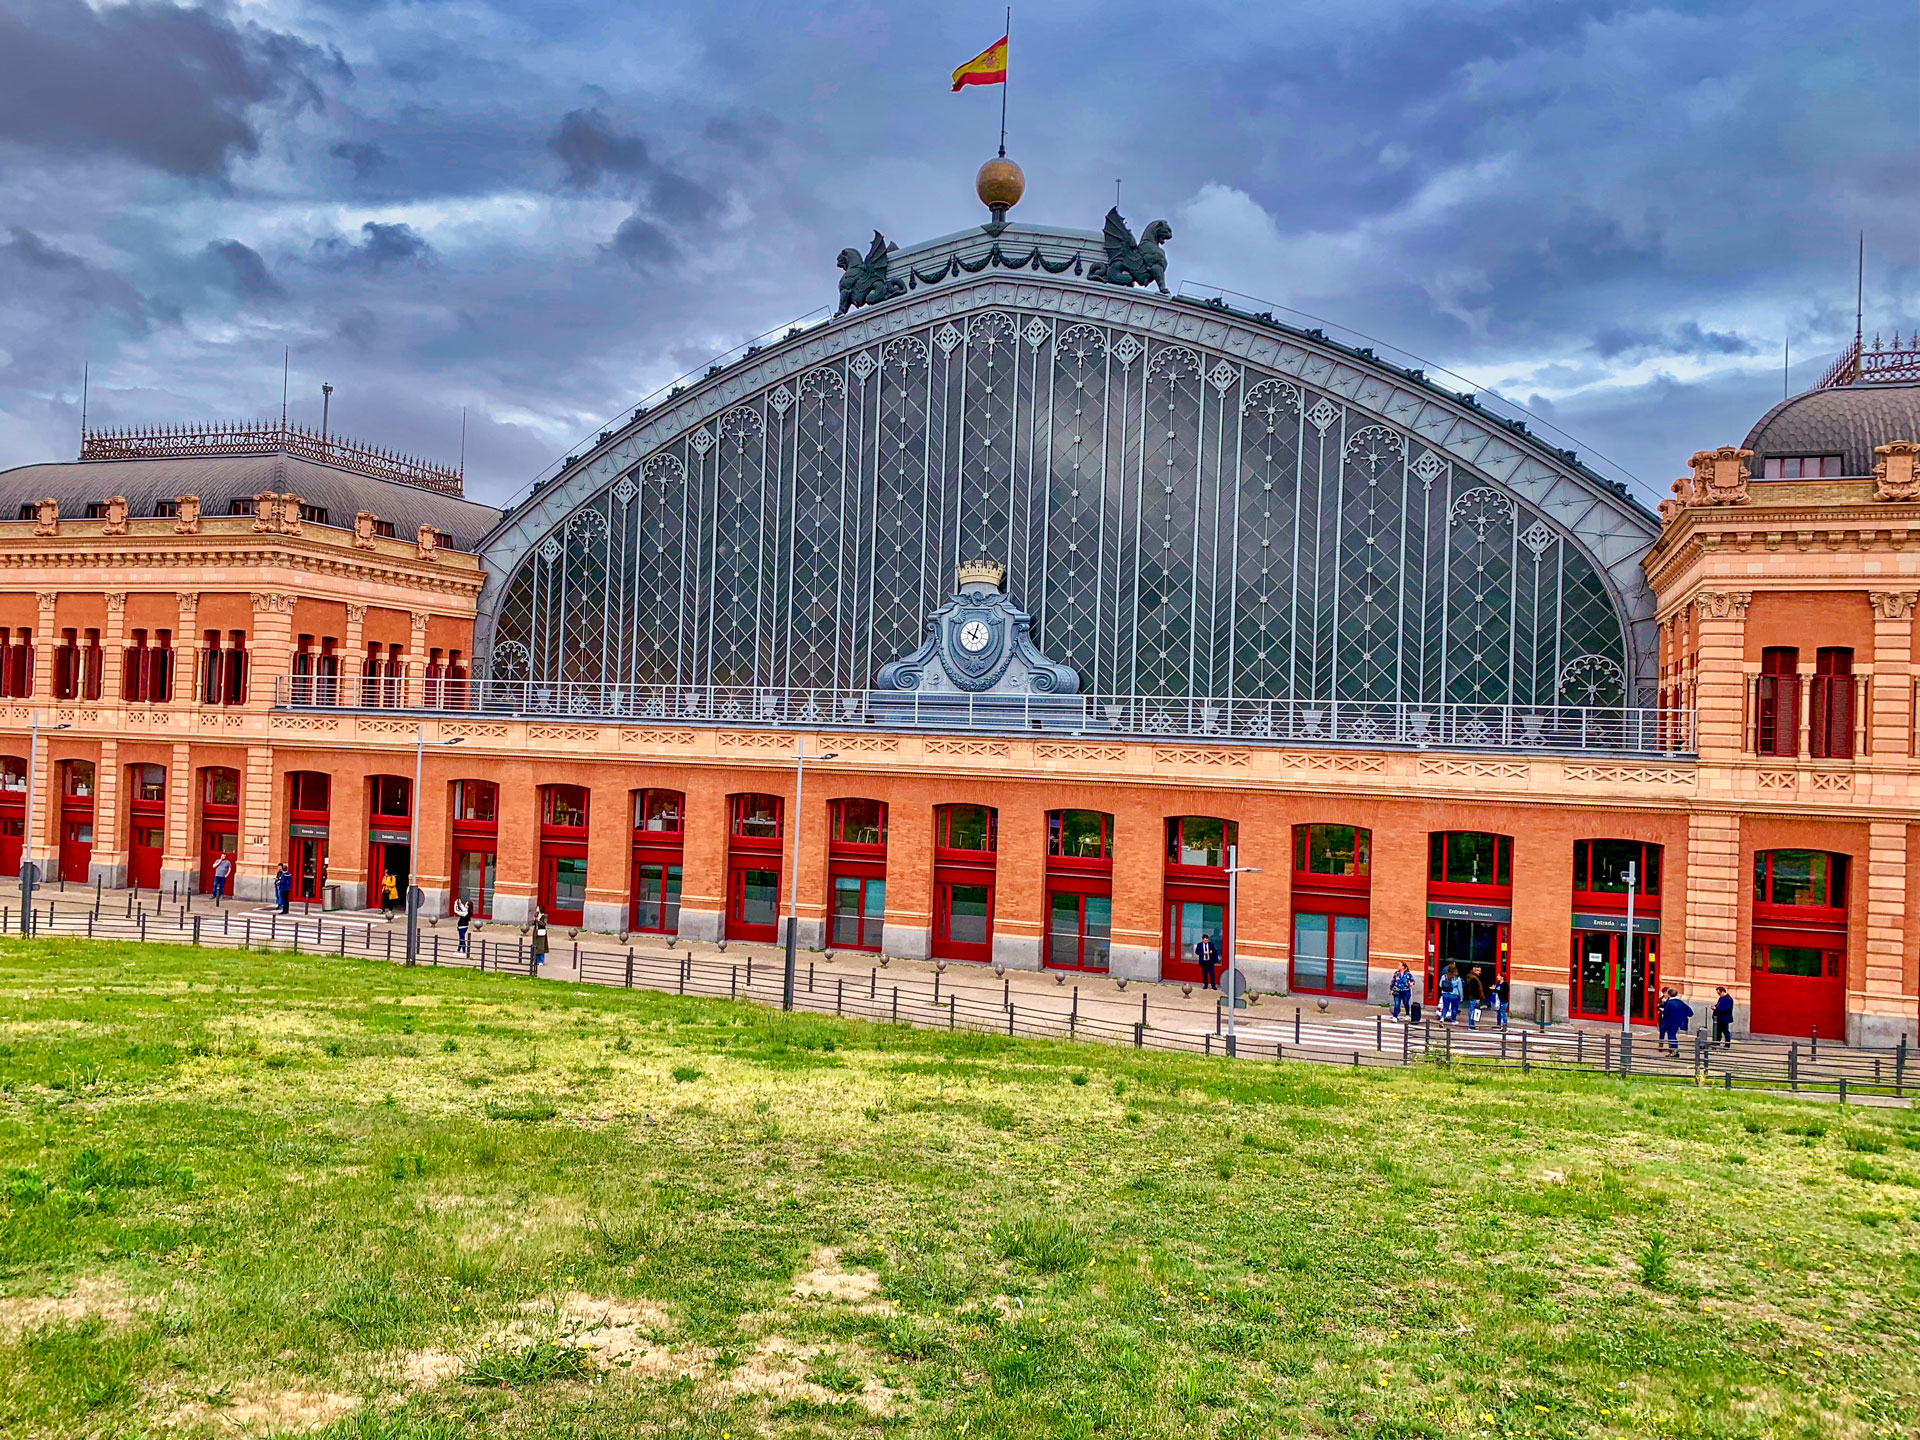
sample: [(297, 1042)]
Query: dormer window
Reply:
[(96, 510), (166, 509), (1804, 467), (240, 507)]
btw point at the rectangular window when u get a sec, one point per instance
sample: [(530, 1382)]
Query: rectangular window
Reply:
[(390, 794), (1332, 850), (1800, 960), (314, 514), (308, 791), (474, 876), (1803, 467), (1777, 702), (1600, 866), (566, 807), (968, 909), (1800, 877), (240, 507), (149, 782), (657, 905), (475, 800), (860, 822), (759, 897), (1200, 840), (659, 811), (166, 509), (1080, 834), (756, 817), (569, 884), (968, 827), (1467, 857), (1830, 721)]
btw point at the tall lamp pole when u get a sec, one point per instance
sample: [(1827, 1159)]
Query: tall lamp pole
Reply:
[(800, 758), (414, 895), (29, 872), (1626, 997), (1234, 871)]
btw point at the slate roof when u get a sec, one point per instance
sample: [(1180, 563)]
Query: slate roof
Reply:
[(1847, 421), (219, 479)]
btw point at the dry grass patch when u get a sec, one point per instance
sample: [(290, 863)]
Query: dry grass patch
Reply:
[(99, 1297)]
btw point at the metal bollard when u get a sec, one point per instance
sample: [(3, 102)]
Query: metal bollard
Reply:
[(1006, 992), (196, 928), (1207, 1046), (1379, 1034), (1813, 1049), (896, 1004), (1406, 1043), (809, 977), (1296, 1024), (143, 924), (1793, 1066), (873, 982), (749, 974), (839, 994), (629, 967), (1143, 1010), (953, 1018), (1843, 1089), (1525, 1068), (733, 982), (1139, 1035), (1233, 1046), (1009, 1019)]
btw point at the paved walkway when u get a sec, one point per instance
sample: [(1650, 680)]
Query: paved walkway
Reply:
[(924, 993)]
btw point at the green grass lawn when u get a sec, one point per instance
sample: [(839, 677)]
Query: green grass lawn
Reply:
[(253, 1193)]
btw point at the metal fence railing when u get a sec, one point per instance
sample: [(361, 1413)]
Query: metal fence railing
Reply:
[(971, 998), (1613, 730)]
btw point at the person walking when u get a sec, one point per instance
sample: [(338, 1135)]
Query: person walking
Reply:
[(222, 868), (462, 918), (538, 949), (1675, 1014), (1502, 997), (283, 888), (1451, 989), (1476, 995), (389, 893), (1207, 957), (1723, 1018), (1401, 989)]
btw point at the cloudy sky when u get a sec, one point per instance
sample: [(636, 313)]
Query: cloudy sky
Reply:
[(1610, 211)]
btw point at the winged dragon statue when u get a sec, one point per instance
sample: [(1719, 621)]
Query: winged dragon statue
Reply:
[(866, 281), (1130, 261)]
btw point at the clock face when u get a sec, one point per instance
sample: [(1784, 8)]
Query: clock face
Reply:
[(973, 636)]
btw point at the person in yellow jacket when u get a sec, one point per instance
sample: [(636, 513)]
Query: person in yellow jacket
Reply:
[(389, 893)]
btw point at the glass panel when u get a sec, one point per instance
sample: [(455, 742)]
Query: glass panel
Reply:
[(1799, 877), (1063, 930), (1472, 859), (760, 897), (1596, 975), (1795, 960), (876, 906), (566, 806), (474, 880), (969, 827), (863, 822), (660, 810), (846, 910), (569, 883), (1607, 867), (1196, 920), (1310, 958), (1202, 841), (649, 910), (474, 800), (967, 913), (1079, 834), (1099, 932), (1335, 850), (756, 816), (1350, 954), (151, 781)]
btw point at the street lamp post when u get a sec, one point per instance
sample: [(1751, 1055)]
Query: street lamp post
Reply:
[(800, 758), (1234, 871), (413, 840), (30, 872), (1626, 990)]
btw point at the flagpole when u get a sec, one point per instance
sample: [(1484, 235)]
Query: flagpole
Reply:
[(1003, 83)]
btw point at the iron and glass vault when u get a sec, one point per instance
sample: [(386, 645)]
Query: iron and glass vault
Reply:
[(1191, 504)]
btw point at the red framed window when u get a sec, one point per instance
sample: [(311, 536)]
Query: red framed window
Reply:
[(147, 674), (659, 831), (1776, 706), (1600, 873), (1332, 897), (1196, 891), (476, 843), (966, 838), (856, 873), (1830, 704), (1469, 857), (1800, 879), (16, 663), (563, 853), (13, 812)]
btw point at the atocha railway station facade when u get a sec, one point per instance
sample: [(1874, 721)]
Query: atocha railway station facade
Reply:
[(1081, 585)]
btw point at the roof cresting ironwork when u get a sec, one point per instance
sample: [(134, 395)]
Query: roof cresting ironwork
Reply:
[(1882, 363), (268, 437)]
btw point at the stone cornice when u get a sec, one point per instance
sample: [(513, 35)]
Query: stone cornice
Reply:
[(1864, 528), (108, 559)]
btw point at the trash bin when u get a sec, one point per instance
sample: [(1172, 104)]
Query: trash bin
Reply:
[(332, 893), (1542, 1005)]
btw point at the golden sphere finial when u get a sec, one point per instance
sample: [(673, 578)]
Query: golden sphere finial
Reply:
[(1000, 184)]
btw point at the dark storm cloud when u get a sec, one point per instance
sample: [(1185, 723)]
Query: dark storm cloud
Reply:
[(173, 87), (242, 270), (597, 155), (67, 283), (1615, 206), (365, 159), (380, 247)]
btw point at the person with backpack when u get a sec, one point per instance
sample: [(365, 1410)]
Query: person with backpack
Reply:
[(462, 918), (1723, 1019), (1401, 989), (1451, 991)]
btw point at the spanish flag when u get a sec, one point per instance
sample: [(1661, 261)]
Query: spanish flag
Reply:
[(989, 67)]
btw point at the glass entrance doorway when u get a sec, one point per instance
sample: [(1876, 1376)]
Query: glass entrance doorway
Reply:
[(1600, 975), (1478, 945), (389, 858), (859, 908), (563, 889), (1187, 921), (1079, 930), (753, 905)]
